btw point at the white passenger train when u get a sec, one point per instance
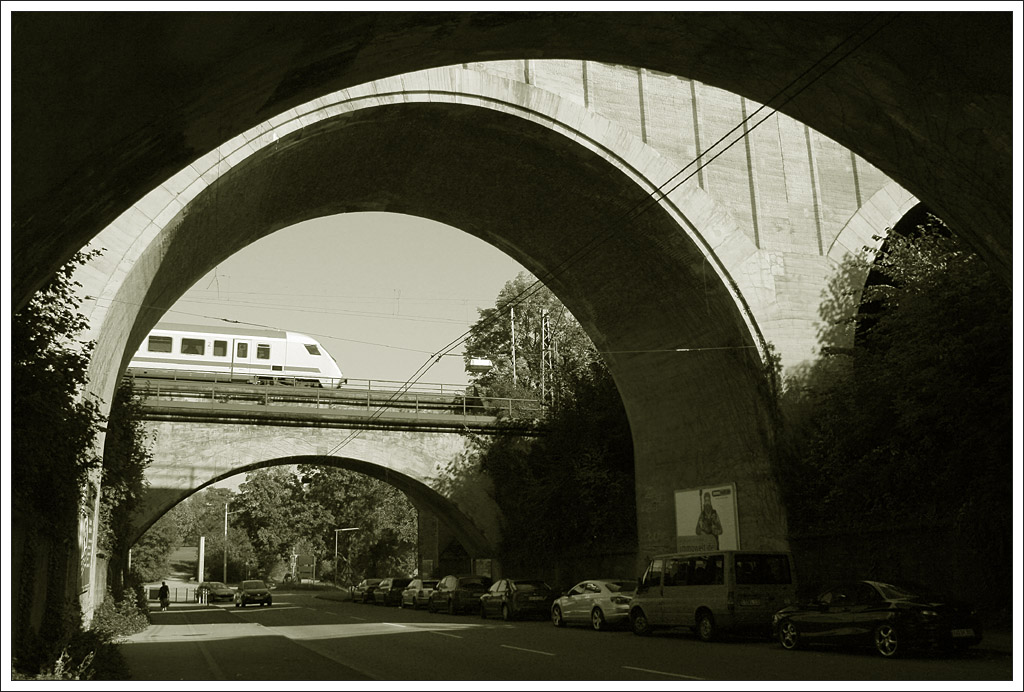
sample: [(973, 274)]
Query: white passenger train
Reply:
[(258, 356)]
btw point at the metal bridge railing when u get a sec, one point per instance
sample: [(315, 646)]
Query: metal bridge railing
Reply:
[(367, 395)]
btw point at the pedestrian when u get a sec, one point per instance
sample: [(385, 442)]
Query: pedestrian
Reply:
[(165, 596)]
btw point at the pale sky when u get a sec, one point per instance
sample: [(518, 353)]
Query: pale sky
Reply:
[(381, 292)]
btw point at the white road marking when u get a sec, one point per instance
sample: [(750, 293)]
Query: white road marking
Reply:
[(658, 672), (532, 651), (445, 634)]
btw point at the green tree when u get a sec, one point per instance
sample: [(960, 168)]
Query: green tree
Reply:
[(125, 459), (52, 436), (912, 427), (387, 537), (572, 489), (151, 553)]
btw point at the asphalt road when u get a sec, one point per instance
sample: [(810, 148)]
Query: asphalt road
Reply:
[(302, 637)]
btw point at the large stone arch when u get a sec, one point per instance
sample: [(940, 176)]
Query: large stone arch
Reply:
[(683, 343), (924, 96)]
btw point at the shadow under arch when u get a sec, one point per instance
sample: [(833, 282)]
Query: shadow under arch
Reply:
[(421, 495)]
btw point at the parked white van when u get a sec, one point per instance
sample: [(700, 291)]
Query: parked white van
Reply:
[(727, 590)]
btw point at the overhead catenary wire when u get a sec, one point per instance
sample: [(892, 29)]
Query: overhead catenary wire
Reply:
[(655, 198)]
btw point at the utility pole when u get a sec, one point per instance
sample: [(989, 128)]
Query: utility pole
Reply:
[(546, 359), (512, 318)]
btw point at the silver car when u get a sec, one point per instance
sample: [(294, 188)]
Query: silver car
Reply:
[(601, 603), (417, 593)]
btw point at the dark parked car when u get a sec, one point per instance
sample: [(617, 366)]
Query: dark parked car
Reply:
[(363, 591), (889, 617), (252, 591), (389, 591), (417, 593), (458, 594), (517, 598), (214, 591)]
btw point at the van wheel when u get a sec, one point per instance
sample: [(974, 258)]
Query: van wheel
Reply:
[(706, 630), (638, 620)]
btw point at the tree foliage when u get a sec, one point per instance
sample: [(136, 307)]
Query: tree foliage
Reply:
[(912, 426), (572, 488), (53, 428)]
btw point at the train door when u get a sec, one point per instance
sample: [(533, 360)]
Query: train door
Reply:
[(241, 359)]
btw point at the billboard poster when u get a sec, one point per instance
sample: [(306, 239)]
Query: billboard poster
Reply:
[(706, 519)]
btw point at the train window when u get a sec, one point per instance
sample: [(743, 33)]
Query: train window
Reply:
[(160, 344), (243, 350), (313, 350), (196, 347), (263, 351), (220, 348)]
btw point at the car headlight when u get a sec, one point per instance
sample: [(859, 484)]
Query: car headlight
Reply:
[(927, 613)]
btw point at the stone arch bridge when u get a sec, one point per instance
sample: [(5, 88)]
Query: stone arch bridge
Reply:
[(588, 118), (190, 455)]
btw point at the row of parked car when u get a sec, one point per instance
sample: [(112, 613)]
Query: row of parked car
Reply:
[(711, 593)]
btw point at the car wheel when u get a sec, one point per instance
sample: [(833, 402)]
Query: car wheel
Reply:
[(483, 611), (556, 617), (237, 604), (887, 640), (270, 602), (451, 606), (506, 613), (706, 626), (788, 636), (638, 620), (597, 620)]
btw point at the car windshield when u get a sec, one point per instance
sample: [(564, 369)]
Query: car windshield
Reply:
[(616, 586), (253, 585), (473, 582), (429, 583), (532, 585), (216, 585), (400, 582)]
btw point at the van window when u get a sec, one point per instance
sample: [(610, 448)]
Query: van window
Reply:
[(677, 571), (652, 577), (762, 569), (706, 570)]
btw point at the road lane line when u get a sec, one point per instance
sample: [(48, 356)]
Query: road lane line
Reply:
[(658, 672), (445, 634), (532, 651), (357, 618)]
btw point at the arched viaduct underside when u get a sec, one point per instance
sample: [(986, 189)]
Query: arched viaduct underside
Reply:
[(924, 97), (189, 456), (106, 106)]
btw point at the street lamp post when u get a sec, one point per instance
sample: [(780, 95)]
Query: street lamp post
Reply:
[(336, 531), (226, 513)]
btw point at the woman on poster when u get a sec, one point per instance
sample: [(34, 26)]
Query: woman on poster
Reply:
[(708, 522)]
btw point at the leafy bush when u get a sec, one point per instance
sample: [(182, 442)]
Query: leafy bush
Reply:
[(115, 620)]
